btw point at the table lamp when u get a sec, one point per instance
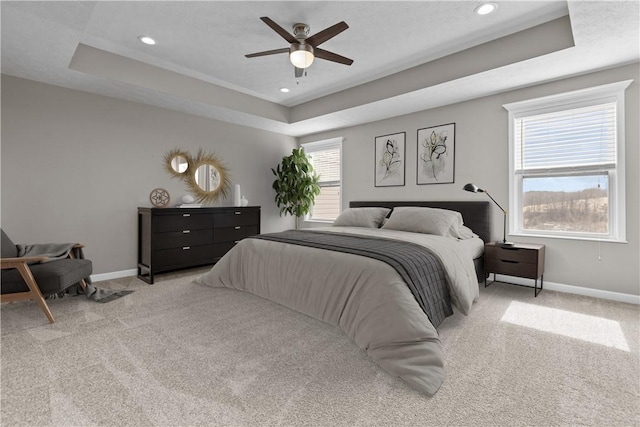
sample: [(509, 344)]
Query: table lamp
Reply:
[(474, 189)]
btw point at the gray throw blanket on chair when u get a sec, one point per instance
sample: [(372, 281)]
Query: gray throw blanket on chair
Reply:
[(58, 251), (53, 251)]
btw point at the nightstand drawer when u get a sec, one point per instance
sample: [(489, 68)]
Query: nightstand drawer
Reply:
[(511, 254), (512, 268)]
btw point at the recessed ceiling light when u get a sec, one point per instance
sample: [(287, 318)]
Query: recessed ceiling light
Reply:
[(284, 89), (147, 40), (486, 8)]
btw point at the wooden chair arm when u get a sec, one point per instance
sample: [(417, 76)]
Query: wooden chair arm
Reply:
[(78, 246), (15, 262)]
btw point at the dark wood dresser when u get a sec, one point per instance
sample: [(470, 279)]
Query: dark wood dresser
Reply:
[(176, 238)]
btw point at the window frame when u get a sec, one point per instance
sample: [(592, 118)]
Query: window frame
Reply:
[(325, 144), (609, 93)]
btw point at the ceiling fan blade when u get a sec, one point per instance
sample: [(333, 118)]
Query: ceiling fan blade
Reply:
[(299, 72), (330, 56), (326, 34), (278, 29), (268, 52)]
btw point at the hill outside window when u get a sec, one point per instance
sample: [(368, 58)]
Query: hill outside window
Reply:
[(326, 158), (566, 165)]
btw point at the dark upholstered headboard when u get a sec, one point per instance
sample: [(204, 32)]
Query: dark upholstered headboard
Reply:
[(476, 215)]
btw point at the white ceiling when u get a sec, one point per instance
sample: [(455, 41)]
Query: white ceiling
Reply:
[(408, 56)]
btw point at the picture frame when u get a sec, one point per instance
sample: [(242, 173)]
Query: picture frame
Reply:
[(389, 167), (435, 158)]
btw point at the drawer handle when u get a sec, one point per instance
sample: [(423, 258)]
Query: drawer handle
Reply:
[(186, 214), (237, 227), (509, 261), (238, 213), (186, 248), (186, 231)]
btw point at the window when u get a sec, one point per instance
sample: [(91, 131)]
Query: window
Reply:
[(326, 158), (566, 164)]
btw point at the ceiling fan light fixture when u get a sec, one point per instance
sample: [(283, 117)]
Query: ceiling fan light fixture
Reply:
[(486, 8), (301, 56)]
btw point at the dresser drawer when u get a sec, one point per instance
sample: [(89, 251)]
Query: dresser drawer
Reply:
[(511, 254), (178, 239), (236, 217), (187, 255), (180, 222), (233, 234), (512, 268)]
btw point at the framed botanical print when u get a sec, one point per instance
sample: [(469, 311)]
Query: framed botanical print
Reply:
[(390, 160), (436, 154)]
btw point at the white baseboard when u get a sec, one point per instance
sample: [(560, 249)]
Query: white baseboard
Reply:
[(570, 289), (113, 275), (589, 292)]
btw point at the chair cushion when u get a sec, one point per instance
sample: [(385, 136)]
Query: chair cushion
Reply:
[(51, 277), (8, 249)]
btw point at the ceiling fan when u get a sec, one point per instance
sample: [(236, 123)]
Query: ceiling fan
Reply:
[(303, 49)]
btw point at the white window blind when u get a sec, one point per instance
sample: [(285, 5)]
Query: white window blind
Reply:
[(326, 158), (570, 140), (326, 164)]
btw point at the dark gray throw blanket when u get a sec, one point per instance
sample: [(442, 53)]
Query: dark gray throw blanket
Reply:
[(421, 270)]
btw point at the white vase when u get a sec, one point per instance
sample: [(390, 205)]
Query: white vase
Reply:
[(236, 196), (187, 199), (244, 201)]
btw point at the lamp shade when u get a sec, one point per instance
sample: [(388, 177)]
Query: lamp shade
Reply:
[(301, 55), (472, 188)]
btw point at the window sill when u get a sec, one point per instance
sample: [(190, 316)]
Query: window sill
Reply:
[(583, 239), (312, 223)]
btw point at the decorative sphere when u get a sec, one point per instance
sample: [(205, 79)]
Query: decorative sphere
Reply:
[(187, 199)]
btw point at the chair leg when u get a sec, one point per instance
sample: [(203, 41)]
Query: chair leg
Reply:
[(83, 285), (35, 290)]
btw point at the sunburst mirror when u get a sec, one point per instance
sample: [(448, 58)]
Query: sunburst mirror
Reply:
[(177, 163), (208, 177)]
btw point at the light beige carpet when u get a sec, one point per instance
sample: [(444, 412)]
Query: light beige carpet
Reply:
[(180, 354)]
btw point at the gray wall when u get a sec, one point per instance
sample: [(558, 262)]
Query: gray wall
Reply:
[(75, 166), (482, 158)]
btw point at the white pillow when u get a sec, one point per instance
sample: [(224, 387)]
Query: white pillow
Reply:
[(463, 233), (441, 222), (361, 217)]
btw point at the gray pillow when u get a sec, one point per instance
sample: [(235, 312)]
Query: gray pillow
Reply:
[(361, 217), (441, 222)]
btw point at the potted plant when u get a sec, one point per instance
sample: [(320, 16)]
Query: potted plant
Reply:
[(296, 184)]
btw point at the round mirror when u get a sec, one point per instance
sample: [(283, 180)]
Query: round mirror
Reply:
[(208, 178), (179, 164)]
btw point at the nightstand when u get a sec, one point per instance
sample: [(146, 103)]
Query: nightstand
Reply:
[(520, 260)]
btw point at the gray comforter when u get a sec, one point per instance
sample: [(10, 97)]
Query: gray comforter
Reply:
[(366, 298)]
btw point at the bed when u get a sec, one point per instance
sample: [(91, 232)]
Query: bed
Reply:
[(329, 274)]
